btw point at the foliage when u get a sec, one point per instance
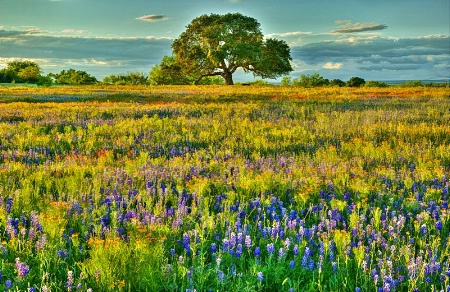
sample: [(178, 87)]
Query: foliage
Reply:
[(74, 77), (132, 78), (20, 72), (355, 82), (286, 81), (218, 45), (415, 83), (45, 80), (371, 83), (337, 82), (313, 80), (168, 73)]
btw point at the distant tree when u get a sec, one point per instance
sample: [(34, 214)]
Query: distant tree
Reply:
[(45, 80), (258, 82), (286, 80), (371, 83), (355, 82), (29, 74), (20, 71), (313, 80), (415, 83), (168, 72), (337, 82), (218, 45), (4, 76), (133, 78), (73, 77)]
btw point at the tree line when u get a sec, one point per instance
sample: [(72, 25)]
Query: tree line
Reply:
[(168, 72)]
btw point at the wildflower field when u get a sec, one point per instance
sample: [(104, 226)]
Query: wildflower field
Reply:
[(224, 189)]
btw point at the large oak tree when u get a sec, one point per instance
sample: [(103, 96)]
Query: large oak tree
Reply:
[(218, 45)]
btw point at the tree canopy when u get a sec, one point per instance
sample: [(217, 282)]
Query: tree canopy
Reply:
[(168, 72), (20, 72), (218, 45), (74, 77), (132, 78), (356, 82)]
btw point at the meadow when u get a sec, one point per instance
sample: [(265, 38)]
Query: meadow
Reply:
[(220, 188)]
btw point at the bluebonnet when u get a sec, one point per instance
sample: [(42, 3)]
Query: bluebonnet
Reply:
[(270, 248), (438, 225), (9, 203), (239, 250), (8, 284), (334, 267), (295, 250), (220, 275), (423, 229), (292, 264), (213, 248)]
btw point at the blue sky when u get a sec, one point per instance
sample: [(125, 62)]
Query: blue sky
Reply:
[(372, 39)]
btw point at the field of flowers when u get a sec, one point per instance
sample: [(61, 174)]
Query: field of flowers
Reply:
[(224, 189)]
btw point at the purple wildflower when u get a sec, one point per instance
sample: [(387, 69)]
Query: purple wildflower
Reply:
[(260, 276), (69, 282), (248, 241), (22, 269)]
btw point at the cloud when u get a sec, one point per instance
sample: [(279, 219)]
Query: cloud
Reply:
[(425, 57), (287, 34), (346, 26), (235, 1), (332, 66), (153, 17), (119, 54), (73, 31)]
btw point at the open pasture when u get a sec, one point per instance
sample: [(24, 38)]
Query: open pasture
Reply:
[(224, 189)]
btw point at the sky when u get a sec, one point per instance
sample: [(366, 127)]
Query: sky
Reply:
[(373, 39)]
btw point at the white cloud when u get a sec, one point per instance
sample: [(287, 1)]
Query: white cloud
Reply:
[(332, 66), (287, 34), (74, 31)]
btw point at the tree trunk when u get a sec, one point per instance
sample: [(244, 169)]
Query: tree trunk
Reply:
[(228, 78)]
